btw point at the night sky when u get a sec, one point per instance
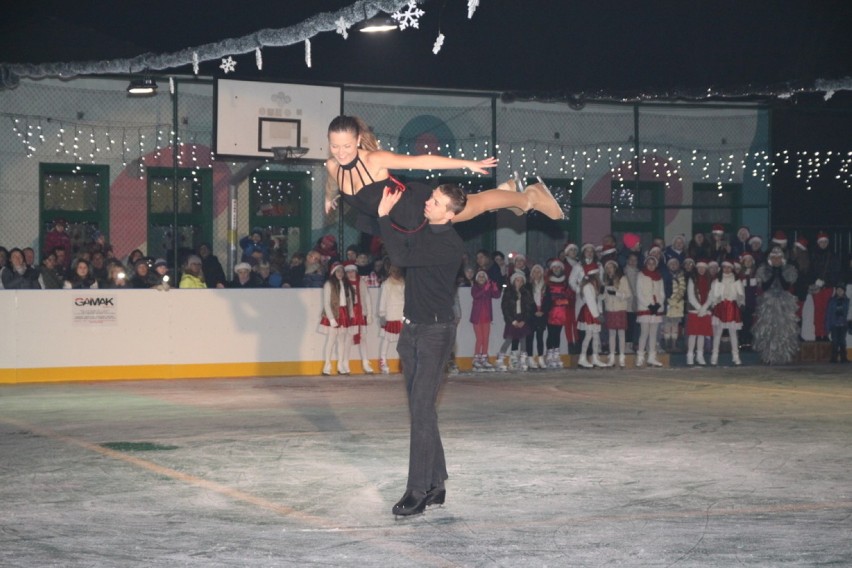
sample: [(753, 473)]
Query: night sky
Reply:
[(537, 49)]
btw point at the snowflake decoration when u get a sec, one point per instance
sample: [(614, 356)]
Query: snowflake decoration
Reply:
[(438, 43), (408, 15), (342, 27), (195, 62), (258, 59), (228, 65), (472, 5)]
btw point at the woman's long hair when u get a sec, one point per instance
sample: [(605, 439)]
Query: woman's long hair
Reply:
[(357, 127)]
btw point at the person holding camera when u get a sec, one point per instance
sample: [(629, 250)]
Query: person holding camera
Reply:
[(651, 297)]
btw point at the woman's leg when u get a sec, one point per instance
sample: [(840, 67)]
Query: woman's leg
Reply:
[(535, 196)]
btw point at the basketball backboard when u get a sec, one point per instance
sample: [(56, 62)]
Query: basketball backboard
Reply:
[(254, 118)]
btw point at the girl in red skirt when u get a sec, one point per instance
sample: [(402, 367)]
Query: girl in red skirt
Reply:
[(589, 318), (337, 300), (699, 322), (727, 295), (617, 298), (361, 311)]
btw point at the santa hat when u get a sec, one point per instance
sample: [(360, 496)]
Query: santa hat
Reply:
[(630, 240), (591, 268), (718, 229), (611, 261), (745, 255), (478, 272), (571, 246), (755, 238), (556, 262), (712, 263), (608, 251), (518, 255), (675, 259), (334, 266), (517, 275), (654, 248), (780, 238), (587, 245), (650, 258), (728, 262), (350, 267), (802, 243), (242, 266), (702, 262), (822, 236), (744, 228), (688, 260)]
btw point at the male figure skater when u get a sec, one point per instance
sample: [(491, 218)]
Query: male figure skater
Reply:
[(431, 256)]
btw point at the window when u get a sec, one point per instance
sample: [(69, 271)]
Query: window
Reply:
[(80, 195), (637, 210), (280, 204), (545, 237), (194, 211), (712, 204)]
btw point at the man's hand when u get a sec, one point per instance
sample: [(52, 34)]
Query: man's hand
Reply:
[(388, 201)]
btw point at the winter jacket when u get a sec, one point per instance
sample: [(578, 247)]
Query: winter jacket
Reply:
[(837, 313), (481, 311), (510, 308)]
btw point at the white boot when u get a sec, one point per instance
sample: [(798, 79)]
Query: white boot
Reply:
[(486, 364), (342, 367), (598, 363), (513, 361), (622, 361), (714, 358), (531, 362), (737, 360), (652, 359), (522, 363), (699, 356), (583, 362), (500, 363), (326, 369), (690, 359), (365, 365), (542, 362), (557, 359), (640, 359), (477, 363), (383, 366), (611, 359)]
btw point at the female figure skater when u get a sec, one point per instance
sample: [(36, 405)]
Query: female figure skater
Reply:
[(391, 304), (589, 318), (481, 315), (517, 307), (337, 300), (727, 295), (359, 171), (617, 298), (699, 323), (650, 299), (538, 322), (361, 311)]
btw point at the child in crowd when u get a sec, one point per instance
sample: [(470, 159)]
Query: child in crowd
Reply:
[(361, 310), (338, 298), (837, 322), (727, 295), (751, 288), (699, 323), (631, 273), (538, 322), (589, 319), (555, 304), (617, 298), (651, 298), (391, 304), (517, 307), (675, 299), (483, 291)]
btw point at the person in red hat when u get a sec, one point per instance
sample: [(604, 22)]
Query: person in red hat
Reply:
[(650, 302), (361, 311), (483, 291), (824, 273), (589, 318), (558, 310), (727, 296), (800, 257), (699, 324), (338, 297)]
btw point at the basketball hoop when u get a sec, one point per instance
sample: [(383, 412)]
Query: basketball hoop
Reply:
[(287, 153)]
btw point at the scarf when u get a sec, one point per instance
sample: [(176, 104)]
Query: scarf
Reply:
[(652, 274), (702, 286)]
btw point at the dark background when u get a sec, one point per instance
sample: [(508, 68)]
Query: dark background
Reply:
[(547, 50)]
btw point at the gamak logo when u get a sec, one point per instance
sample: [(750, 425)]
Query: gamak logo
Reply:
[(94, 301)]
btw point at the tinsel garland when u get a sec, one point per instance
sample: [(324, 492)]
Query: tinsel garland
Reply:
[(11, 73), (776, 331)]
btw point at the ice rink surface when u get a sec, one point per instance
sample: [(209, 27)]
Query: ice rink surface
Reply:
[(748, 466)]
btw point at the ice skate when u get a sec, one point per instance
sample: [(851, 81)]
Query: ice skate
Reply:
[(486, 365), (543, 201), (342, 368), (598, 363), (531, 362), (690, 359), (511, 185), (326, 369), (477, 364), (714, 359), (699, 358), (500, 363), (383, 366), (522, 363), (513, 361), (622, 361), (640, 359), (583, 362), (652, 360), (365, 365), (557, 359), (542, 363), (610, 359)]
